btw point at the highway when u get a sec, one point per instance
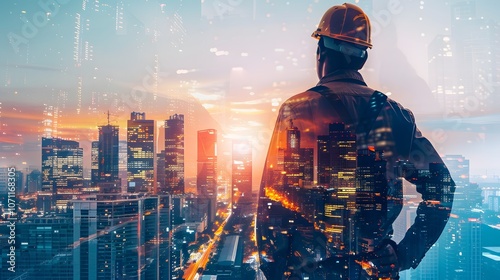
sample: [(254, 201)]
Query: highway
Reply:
[(191, 273)]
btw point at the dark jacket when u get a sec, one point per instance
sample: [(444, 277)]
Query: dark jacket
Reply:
[(332, 182)]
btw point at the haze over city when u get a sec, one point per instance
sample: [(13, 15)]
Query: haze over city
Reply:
[(141, 127), (234, 65)]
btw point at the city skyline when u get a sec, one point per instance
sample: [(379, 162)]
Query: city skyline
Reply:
[(134, 124), (221, 85)]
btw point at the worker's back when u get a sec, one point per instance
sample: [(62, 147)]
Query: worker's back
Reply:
[(332, 182), (325, 187)]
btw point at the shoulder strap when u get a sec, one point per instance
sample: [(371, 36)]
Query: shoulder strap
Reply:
[(335, 101), (369, 116), (366, 119)]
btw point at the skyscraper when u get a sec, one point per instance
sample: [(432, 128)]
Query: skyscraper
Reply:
[(297, 161), (62, 167), (291, 156), (160, 172), (140, 153), (337, 157), (343, 155), (122, 164), (108, 179), (94, 163), (45, 249), (461, 240), (476, 42), (174, 155), (458, 166), (122, 238), (443, 73), (206, 180), (371, 197), (241, 171), (34, 181)]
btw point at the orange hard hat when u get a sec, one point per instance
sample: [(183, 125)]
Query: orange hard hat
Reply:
[(346, 22)]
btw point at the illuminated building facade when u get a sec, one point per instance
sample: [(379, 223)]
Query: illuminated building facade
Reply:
[(122, 238), (94, 162), (296, 163), (174, 155), (459, 168), (140, 153), (34, 181), (454, 76), (461, 241), (45, 252), (62, 168), (337, 157), (241, 171), (160, 171), (108, 178), (206, 180)]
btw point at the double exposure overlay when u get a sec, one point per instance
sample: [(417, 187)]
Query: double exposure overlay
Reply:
[(332, 183), (205, 139)]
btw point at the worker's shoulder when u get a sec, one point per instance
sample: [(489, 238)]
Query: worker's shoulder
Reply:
[(337, 88), (399, 110), (304, 96)]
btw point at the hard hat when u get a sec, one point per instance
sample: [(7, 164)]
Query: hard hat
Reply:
[(346, 22)]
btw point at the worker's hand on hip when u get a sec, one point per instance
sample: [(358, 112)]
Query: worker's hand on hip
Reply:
[(382, 263)]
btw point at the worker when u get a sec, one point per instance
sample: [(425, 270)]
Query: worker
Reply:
[(332, 184)]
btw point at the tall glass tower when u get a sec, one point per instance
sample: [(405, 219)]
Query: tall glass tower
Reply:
[(140, 153), (62, 167), (108, 178), (241, 171), (174, 155), (207, 163)]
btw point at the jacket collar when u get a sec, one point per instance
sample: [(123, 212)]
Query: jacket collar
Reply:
[(341, 74)]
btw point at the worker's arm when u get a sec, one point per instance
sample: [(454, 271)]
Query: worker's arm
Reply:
[(436, 186)]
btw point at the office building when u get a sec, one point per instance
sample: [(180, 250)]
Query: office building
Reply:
[(94, 163), (160, 172), (443, 73), (174, 155), (45, 250), (207, 163), (206, 180), (62, 169), (34, 181), (467, 194), (140, 153), (122, 164), (494, 203), (241, 171), (337, 154), (122, 238), (108, 179), (295, 163)]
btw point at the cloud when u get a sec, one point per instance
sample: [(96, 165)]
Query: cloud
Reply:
[(206, 97)]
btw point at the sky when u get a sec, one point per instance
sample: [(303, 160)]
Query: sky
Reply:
[(227, 65)]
